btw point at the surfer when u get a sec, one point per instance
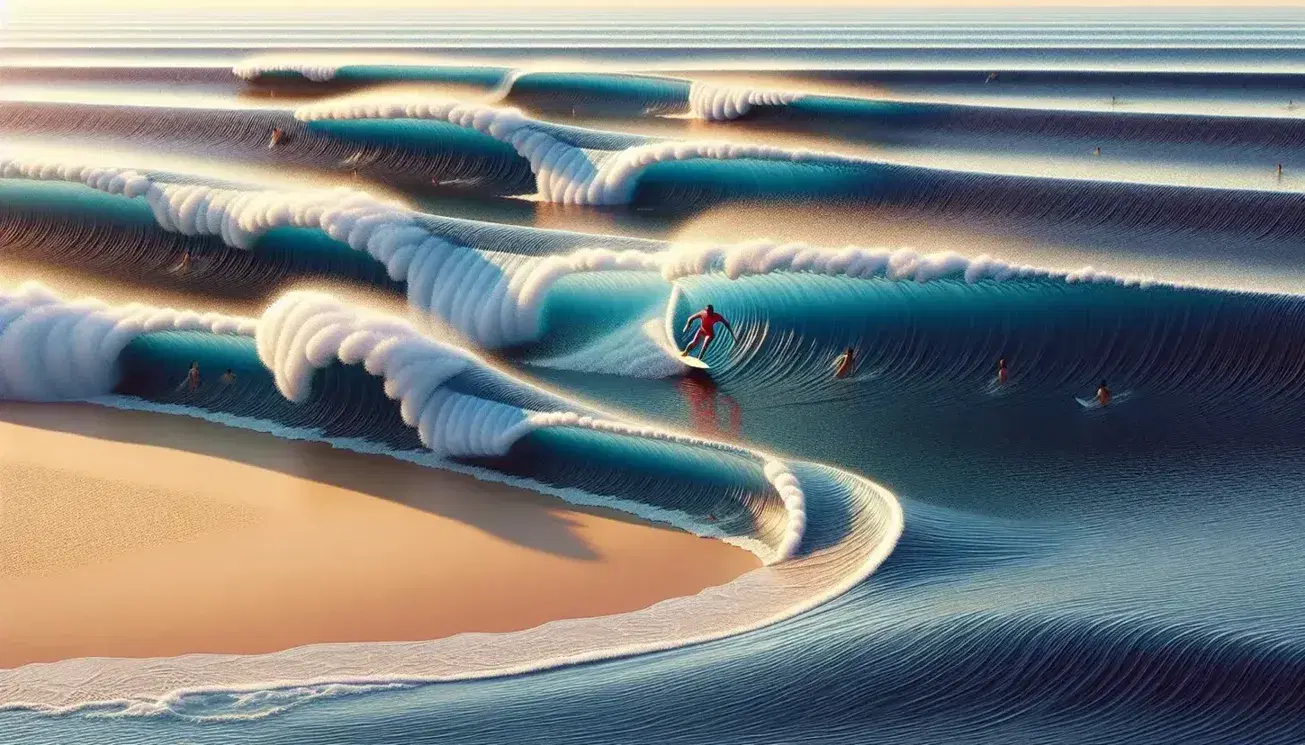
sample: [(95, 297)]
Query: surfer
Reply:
[(843, 365), (1279, 170), (1098, 151), (706, 332), (276, 138), (991, 77), (1103, 394), (192, 376), (185, 262), (228, 377), (1001, 371)]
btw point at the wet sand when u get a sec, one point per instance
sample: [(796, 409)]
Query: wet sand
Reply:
[(131, 534)]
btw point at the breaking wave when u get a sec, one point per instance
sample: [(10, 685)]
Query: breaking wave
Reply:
[(324, 363)]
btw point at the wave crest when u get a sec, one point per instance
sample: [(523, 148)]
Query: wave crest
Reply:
[(715, 103), (52, 351)]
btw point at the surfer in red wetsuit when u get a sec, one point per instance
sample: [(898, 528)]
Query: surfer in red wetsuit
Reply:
[(1001, 371), (708, 318)]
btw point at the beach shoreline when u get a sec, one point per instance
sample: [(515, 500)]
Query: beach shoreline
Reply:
[(135, 534)]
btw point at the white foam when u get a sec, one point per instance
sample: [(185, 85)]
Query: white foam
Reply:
[(722, 103), (902, 264), (305, 331), (257, 66), (52, 350)]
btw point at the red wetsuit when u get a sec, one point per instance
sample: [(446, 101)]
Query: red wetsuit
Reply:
[(709, 321)]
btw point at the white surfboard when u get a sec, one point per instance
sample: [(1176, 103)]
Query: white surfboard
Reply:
[(692, 361)]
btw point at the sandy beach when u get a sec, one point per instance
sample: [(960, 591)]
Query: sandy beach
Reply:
[(129, 534)]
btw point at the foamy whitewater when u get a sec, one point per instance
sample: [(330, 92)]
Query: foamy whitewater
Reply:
[(950, 553)]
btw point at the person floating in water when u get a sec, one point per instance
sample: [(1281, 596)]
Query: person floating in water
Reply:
[(192, 376), (1103, 394), (1001, 371), (844, 363), (706, 332), (228, 377)]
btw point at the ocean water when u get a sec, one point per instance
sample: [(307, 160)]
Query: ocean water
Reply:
[(948, 560)]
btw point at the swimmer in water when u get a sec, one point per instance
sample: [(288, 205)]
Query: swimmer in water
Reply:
[(1001, 371), (706, 332), (844, 363), (1103, 394)]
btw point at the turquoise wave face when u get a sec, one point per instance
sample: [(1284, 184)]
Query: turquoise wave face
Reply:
[(582, 308), (486, 77), (599, 94)]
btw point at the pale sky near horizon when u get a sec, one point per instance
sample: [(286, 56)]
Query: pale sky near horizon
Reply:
[(19, 8)]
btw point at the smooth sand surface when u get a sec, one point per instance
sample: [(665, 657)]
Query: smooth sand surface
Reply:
[(130, 534)]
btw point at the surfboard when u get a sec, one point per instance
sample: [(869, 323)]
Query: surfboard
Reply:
[(692, 361), (1087, 403)]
